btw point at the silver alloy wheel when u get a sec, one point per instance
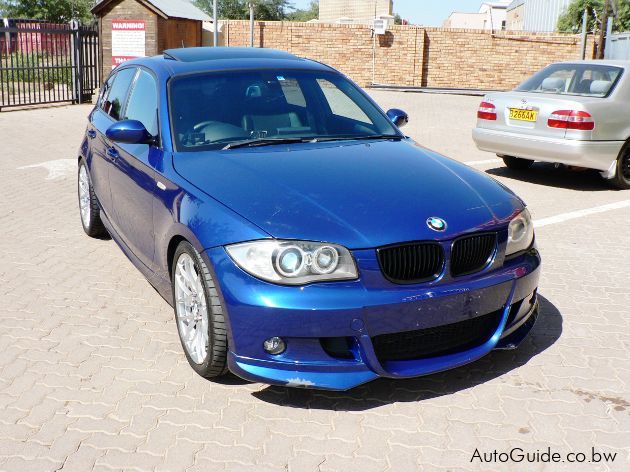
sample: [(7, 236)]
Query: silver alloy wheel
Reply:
[(84, 196), (191, 308)]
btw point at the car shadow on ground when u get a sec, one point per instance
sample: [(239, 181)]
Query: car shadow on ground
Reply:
[(379, 392), (541, 173)]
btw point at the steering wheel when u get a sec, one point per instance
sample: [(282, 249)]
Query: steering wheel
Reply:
[(217, 130)]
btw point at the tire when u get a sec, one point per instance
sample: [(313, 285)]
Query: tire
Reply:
[(204, 339), (621, 180), (89, 210), (517, 163)]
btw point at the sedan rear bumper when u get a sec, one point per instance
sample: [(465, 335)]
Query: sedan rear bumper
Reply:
[(600, 155)]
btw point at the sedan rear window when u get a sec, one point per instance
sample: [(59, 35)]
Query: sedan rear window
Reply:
[(592, 80)]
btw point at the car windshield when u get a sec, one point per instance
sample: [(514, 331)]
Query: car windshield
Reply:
[(591, 80), (225, 109)]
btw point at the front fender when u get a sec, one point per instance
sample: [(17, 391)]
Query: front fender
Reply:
[(183, 211)]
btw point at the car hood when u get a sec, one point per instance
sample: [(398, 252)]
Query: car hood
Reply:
[(358, 194)]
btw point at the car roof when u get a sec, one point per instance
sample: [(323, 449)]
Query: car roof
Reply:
[(601, 62), (213, 54), (207, 59)]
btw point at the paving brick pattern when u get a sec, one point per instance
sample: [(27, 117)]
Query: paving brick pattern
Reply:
[(92, 376)]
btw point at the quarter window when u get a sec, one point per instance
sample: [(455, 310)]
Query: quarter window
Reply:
[(142, 105)]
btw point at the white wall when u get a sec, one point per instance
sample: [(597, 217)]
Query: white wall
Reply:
[(488, 17), (495, 16), (467, 20), (542, 15)]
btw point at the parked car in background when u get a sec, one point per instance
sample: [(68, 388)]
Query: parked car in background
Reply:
[(574, 113), (301, 238)]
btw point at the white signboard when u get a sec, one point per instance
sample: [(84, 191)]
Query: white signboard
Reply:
[(128, 40), (380, 26)]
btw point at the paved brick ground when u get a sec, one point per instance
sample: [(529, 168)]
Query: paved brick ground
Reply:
[(92, 375)]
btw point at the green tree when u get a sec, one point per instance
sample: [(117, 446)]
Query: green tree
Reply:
[(57, 11), (571, 20), (309, 13), (622, 20), (265, 10)]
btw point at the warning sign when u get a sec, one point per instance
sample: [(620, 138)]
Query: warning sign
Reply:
[(128, 40)]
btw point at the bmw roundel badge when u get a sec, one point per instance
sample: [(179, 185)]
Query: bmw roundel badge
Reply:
[(436, 224)]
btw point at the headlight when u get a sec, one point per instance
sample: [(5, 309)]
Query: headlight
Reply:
[(293, 262), (520, 233)]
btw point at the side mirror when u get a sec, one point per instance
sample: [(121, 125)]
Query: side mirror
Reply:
[(129, 132), (398, 117)]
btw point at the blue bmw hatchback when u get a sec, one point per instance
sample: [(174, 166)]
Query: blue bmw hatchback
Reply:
[(300, 237)]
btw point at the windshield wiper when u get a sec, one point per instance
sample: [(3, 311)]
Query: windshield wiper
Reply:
[(363, 137), (314, 139), (265, 142)]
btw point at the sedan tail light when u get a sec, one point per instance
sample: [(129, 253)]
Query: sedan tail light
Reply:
[(571, 119), (487, 111)]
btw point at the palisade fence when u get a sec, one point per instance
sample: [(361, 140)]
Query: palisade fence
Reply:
[(618, 46), (42, 62)]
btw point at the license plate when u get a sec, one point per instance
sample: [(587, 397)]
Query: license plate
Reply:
[(523, 115)]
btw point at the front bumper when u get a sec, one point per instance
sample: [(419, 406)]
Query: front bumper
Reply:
[(600, 155), (360, 310)]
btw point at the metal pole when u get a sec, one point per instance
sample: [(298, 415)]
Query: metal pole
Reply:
[(7, 36), (373, 56), (374, 47), (609, 27), (584, 25), (216, 24), (75, 62), (251, 24), (602, 32)]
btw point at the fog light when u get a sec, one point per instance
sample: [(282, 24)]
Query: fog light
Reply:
[(274, 345)]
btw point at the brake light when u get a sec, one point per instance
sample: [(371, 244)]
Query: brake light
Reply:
[(487, 111), (571, 119)]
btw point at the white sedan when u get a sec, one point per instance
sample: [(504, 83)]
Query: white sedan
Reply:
[(573, 113)]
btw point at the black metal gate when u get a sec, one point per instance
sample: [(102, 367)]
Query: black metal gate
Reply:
[(43, 62)]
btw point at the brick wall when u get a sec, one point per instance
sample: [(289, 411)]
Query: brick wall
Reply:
[(415, 56)]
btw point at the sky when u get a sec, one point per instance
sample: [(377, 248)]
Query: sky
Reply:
[(423, 12)]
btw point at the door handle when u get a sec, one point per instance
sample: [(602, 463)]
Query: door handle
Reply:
[(91, 134), (112, 152)]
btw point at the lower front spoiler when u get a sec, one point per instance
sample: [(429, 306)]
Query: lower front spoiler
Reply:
[(512, 340), (331, 379), (344, 376)]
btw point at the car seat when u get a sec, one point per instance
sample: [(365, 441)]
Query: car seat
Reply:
[(268, 110)]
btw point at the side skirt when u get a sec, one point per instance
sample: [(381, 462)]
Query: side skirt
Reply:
[(161, 286)]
